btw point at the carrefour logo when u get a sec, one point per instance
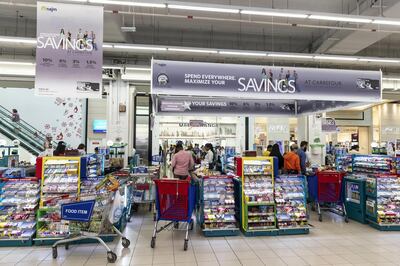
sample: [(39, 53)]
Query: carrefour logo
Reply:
[(50, 9)]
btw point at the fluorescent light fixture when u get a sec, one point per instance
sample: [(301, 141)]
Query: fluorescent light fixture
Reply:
[(107, 45), (273, 14), (204, 8), (204, 51), (290, 56), (340, 58), (17, 40), (386, 22), (242, 53), (138, 68), (341, 18), (112, 67), (78, 1), (383, 60), (391, 79), (134, 47), (17, 63), (127, 3)]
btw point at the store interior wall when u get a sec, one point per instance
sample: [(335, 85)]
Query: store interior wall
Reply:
[(389, 114), (97, 110)]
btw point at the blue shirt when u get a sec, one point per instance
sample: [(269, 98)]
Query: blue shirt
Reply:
[(303, 159)]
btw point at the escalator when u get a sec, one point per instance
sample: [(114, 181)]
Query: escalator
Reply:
[(30, 138)]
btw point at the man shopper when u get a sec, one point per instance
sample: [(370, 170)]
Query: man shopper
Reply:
[(303, 157), (292, 161), (182, 162)]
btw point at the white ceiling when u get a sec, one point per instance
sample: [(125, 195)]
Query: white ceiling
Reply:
[(229, 31)]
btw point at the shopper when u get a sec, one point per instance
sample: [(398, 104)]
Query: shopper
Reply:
[(330, 148), (15, 116), (209, 157), (60, 150), (303, 157), (292, 161), (82, 149), (182, 162), (267, 152), (276, 152), (96, 150)]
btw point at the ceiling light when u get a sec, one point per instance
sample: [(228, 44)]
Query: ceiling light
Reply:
[(17, 40), (273, 14), (386, 22), (341, 18), (17, 63), (204, 8), (126, 3), (79, 1), (379, 60), (112, 67), (205, 51), (391, 79), (133, 47), (341, 58), (138, 68), (291, 55), (107, 45), (242, 53)]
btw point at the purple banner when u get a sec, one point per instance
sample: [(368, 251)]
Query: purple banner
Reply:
[(69, 54), (264, 82)]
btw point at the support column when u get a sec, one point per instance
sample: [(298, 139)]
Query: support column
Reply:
[(120, 123)]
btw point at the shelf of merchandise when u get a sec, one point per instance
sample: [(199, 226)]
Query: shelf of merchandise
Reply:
[(19, 199), (217, 206), (257, 196), (383, 202), (60, 184), (92, 165), (291, 205), (373, 164), (397, 160), (344, 162), (354, 196)]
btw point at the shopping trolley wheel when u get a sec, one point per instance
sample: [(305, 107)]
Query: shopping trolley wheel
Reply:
[(346, 219), (176, 225), (153, 242), (111, 257), (55, 253), (185, 245), (66, 246), (125, 242), (320, 217)]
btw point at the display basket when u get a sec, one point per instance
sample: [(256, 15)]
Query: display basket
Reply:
[(175, 202), (92, 216)]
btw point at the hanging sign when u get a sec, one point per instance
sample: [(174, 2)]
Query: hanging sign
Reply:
[(264, 82), (328, 125), (69, 54)]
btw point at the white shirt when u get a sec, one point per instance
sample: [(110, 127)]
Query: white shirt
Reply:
[(209, 156)]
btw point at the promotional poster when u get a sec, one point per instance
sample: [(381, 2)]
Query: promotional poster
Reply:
[(264, 82), (69, 54)]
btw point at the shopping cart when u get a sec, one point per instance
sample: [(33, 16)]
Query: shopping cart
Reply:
[(175, 202), (329, 193), (90, 218)]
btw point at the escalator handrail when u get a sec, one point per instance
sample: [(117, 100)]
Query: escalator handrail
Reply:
[(8, 126), (25, 125)]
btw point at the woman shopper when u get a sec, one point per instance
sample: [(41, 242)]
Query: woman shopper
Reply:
[(182, 162), (60, 150), (276, 152)]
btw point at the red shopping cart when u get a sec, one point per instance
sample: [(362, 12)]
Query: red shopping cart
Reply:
[(175, 202), (329, 195)]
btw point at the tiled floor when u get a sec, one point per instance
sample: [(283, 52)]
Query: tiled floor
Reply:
[(331, 242)]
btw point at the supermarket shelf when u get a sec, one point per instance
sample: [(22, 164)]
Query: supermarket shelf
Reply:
[(294, 231), (263, 203), (19, 242), (262, 232), (387, 227)]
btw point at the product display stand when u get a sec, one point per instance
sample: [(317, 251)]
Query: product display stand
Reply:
[(217, 206), (19, 200), (344, 163), (374, 164), (383, 205), (354, 197), (60, 184), (92, 165), (291, 204), (257, 196)]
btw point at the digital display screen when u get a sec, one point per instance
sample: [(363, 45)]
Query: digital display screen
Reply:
[(99, 126)]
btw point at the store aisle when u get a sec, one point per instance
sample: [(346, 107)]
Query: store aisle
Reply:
[(331, 242)]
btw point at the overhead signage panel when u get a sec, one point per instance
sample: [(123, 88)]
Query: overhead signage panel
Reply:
[(264, 82), (69, 53)]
